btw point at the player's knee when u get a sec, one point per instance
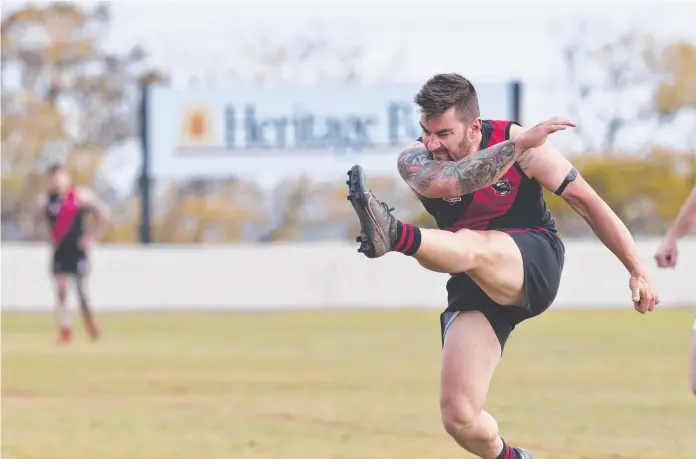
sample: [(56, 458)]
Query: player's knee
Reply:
[(459, 416)]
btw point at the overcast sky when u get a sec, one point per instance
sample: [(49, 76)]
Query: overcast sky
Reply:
[(406, 41)]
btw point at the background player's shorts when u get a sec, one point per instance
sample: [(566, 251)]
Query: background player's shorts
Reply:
[(543, 256), (69, 262)]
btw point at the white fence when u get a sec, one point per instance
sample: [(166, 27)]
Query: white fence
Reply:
[(308, 276)]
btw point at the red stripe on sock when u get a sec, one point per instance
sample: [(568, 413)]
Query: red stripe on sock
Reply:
[(411, 235), (402, 238), (508, 453)]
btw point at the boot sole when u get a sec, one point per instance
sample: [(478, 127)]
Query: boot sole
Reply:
[(357, 195)]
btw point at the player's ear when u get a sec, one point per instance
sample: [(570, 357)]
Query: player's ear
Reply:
[(476, 125)]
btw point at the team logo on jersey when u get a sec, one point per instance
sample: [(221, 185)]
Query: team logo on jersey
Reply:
[(502, 187), (452, 201)]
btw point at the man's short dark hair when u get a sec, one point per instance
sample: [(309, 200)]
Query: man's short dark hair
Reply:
[(447, 90), (55, 167)]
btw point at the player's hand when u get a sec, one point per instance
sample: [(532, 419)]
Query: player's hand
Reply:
[(538, 134), (643, 295), (666, 255)]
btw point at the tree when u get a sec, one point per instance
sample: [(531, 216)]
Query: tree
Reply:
[(310, 56), (298, 207), (675, 95), (623, 91), (634, 187), (676, 66), (609, 83), (64, 98), (208, 211)]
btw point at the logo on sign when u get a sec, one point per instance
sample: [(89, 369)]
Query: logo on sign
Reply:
[(198, 128)]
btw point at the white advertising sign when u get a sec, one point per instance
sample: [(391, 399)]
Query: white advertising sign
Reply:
[(255, 131)]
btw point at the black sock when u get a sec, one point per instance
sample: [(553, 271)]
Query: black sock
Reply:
[(408, 238), (507, 452)]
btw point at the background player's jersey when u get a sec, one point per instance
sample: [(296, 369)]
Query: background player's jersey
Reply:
[(66, 219), (515, 201)]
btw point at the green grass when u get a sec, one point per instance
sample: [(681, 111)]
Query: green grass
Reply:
[(339, 385)]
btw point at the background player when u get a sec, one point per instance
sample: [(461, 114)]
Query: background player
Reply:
[(666, 257), (500, 242), (65, 207)]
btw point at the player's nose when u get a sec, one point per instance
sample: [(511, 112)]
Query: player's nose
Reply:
[(432, 144)]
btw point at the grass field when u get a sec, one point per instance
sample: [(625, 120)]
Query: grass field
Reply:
[(339, 385)]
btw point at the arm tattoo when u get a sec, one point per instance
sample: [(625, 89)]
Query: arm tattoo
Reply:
[(433, 178), (525, 159)]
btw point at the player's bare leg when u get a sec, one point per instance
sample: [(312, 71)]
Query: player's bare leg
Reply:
[(471, 350), (490, 258), (87, 316), (62, 313), (692, 364), (470, 355)]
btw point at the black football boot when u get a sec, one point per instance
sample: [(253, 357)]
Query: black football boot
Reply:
[(377, 224)]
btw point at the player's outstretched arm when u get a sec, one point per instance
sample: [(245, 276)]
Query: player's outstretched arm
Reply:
[(555, 173), (692, 364), (101, 211), (666, 255), (448, 179), (686, 219)]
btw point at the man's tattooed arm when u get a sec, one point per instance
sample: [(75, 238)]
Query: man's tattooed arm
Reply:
[(448, 179)]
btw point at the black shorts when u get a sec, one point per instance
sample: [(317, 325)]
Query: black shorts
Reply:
[(543, 256), (69, 261)]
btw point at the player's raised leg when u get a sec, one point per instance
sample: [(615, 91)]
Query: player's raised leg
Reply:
[(471, 352), (491, 258), (62, 313)]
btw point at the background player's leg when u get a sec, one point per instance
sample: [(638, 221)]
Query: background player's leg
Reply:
[(87, 315), (491, 258), (62, 313), (470, 354), (692, 366)]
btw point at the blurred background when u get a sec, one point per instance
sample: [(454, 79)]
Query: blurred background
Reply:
[(74, 76), (219, 134)]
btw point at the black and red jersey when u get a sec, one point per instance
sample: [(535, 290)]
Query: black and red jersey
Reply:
[(66, 219), (515, 201)]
